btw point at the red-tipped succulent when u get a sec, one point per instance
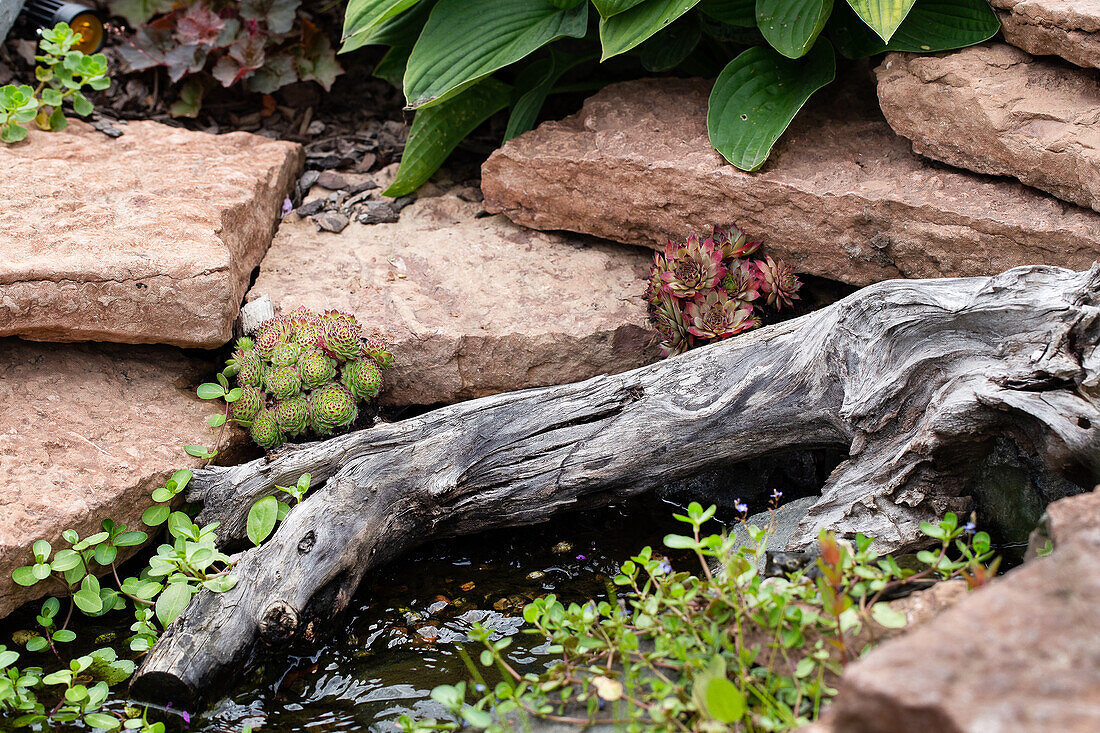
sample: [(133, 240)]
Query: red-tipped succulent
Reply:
[(778, 282), (693, 267), (704, 289), (717, 316)]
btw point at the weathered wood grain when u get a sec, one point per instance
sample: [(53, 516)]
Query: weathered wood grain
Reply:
[(914, 378)]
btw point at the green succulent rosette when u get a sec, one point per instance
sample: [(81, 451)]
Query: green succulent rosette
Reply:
[(315, 369), (285, 355), (265, 430), (293, 415), (375, 349), (363, 378), (248, 405), (331, 406), (283, 382)]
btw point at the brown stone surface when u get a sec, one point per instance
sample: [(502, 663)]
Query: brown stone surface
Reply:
[(994, 109), (842, 196), (471, 306), (87, 431), (1021, 654), (147, 238), (1066, 28)]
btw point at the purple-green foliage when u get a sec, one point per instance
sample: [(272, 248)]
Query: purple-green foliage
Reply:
[(262, 44)]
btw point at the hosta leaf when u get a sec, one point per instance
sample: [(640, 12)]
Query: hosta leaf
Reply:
[(624, 31), (734, 12), (667, 50), (607, 8), (532, 87), (466, 40), (882, 16), (757, 95), (401, 30), (792, 26), (437, 130), (391, 67), (931, 26), (363, 17)]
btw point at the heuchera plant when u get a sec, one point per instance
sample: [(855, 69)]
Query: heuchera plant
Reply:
[(264, 44), (706, 289), (304, 373)]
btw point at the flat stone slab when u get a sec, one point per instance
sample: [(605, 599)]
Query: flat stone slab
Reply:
[(842, 196), (997, 110), (87, 431), (147, 238), (1066, 28), (470, 306), (1019, 654)]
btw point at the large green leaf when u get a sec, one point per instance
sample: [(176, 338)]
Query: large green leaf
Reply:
[(261, 519), (438, 129), (391, 66), (667, 50), (882, 16), (624, 31), (466, 40), (757, 95), (607, 8), (931, 26), (792, 26), (533, 85), (364, 16), (735, 12), (400, 30)]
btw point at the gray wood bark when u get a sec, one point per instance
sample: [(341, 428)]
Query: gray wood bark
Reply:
[(914, 378)]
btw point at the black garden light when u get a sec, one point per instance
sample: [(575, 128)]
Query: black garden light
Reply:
[(82, 19)]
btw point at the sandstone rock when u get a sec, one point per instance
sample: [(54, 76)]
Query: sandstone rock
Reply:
[(1017, 655), (996, 110), (147, 238), (842, 195), (1066, 28), (471, 306), (87, 431)]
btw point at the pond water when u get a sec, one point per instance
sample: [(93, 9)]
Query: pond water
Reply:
[(398, 639)]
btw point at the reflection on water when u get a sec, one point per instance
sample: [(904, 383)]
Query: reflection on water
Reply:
[(399, 640)]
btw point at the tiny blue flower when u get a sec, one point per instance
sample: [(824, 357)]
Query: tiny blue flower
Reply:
[(479, 687), (287, 207), (740, 506), (969, 528), (777, 494), (665, 567)]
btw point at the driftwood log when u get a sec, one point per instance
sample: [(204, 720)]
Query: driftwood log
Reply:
[(913, 378)]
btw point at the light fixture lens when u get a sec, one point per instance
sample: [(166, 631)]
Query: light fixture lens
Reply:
[(91, 32)]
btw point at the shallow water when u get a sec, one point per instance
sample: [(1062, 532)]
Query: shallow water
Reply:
[(398, 640)]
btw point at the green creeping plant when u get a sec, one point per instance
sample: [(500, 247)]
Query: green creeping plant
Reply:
[(461, 61), (62, 74), (722, 649)]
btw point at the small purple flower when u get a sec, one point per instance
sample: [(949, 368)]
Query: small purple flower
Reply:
[(479, 687), (186, 716), (777, 494), (740, 506), (665, 567), (287, 207), (969, 528), (581, 557)]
